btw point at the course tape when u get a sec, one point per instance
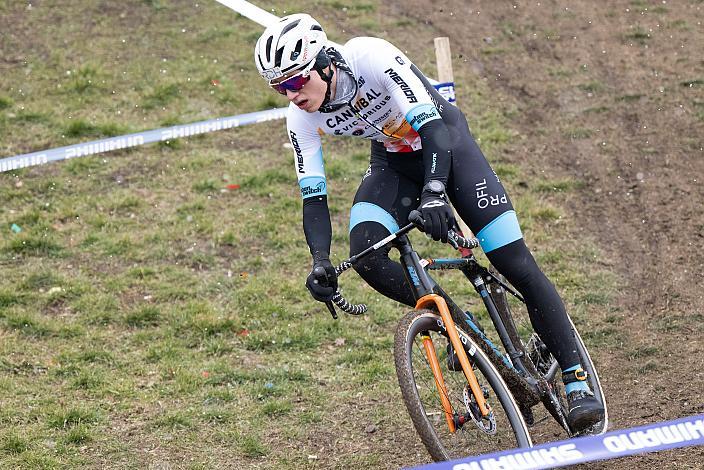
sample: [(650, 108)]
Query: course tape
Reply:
[(682, 432), (252, 12), (158, 135), (138, 138), (446, 90)]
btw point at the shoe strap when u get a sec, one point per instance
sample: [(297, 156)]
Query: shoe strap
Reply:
[(579, 375)]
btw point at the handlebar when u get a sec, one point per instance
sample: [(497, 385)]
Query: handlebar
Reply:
[(453, 238), (415, 218)]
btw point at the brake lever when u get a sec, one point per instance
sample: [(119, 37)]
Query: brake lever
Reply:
[(416, 218), (331, 308)]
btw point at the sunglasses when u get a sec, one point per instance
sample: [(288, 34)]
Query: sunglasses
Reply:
[(294, 83)]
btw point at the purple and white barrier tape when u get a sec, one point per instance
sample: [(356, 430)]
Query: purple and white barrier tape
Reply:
[(666, 435), (446, 90), (138, 138)]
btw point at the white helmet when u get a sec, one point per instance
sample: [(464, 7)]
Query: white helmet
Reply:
[(290, 44)]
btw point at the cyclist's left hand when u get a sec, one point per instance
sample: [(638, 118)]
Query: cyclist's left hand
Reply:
[(322, 280), (437, 214)]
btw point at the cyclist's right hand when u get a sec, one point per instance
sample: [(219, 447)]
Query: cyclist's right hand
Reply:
[(322, 280)]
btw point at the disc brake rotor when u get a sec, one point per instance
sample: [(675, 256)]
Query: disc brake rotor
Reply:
[(486, 424)]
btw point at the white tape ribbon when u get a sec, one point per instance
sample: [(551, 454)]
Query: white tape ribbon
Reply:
[(138, 138)]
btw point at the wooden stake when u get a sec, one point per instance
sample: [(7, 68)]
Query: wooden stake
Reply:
[(443, 57), (444, 60)]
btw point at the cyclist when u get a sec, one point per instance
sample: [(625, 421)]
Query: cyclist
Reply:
[(422, 155)]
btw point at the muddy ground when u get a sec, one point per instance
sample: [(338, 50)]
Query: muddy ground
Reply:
[(612, 96)]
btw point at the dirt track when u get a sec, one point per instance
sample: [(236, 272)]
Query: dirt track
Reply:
[(614, 97)]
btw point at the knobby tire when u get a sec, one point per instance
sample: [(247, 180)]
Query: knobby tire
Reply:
[(423, 402)]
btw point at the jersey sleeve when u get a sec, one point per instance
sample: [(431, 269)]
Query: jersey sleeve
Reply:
[(308, 159), (308, 155), (393, 69)]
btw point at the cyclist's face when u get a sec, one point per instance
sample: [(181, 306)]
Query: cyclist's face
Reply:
[(311, 96)]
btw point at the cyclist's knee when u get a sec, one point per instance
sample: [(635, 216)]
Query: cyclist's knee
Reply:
[(503, 230), (386, 277), (516, 263), (362, 236), (378, 269), (372, 267), (370, 222)]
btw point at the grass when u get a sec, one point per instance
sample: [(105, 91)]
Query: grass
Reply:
[(252, 446), (638, 35), (68, 418), (12, 444), (579, 133), (150, 317), (699, 110), (591, 87), (558, 185)]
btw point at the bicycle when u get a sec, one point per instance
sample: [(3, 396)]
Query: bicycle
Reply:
[(484, 403)]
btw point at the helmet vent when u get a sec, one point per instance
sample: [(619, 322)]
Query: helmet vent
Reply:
[(268, 48), (277, 59), (289, 27), (297, 51)]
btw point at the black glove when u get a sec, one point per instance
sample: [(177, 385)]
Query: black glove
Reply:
[(436, 212), (322, 280)]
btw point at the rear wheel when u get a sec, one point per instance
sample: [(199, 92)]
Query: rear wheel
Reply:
[(550, 369), (545, 363), (503, 429)]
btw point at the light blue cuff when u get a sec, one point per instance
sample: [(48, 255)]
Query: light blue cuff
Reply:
[(500, 232), (368, 212), (312, 186), (421, 114)]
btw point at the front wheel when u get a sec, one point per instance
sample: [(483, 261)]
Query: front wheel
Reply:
[(503, 429)]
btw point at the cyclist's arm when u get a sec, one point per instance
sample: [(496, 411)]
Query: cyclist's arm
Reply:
[(396, 72), (308, 160), (316, 226)]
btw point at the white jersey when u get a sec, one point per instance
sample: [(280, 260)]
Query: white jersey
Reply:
[(390, 106)]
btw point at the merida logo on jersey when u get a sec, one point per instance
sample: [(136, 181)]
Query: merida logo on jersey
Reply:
[(402, 83), (299, 154), (310, 191)]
